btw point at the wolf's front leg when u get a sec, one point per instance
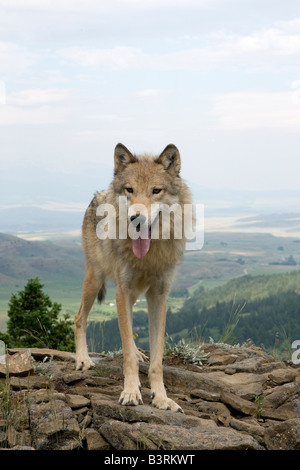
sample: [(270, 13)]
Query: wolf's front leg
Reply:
[(157, 323), (131, 394)]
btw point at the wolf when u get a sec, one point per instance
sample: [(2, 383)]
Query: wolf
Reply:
[(141, 263)]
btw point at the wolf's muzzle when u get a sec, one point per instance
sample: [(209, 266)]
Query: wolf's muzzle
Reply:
[(139, 220)]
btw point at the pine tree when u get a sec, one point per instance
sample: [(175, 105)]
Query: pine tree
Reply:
[(33, 320)]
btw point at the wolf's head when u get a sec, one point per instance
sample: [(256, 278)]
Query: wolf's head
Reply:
[(151, 185)]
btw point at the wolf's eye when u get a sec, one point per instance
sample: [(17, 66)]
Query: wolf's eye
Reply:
[(129, 190), (156, 190)]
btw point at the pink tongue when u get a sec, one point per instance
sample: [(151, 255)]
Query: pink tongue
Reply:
[(140, 247)]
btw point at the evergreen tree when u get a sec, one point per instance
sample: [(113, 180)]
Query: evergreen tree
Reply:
[(33, 321)]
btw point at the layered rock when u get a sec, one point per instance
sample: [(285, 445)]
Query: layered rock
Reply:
[(241, 398)]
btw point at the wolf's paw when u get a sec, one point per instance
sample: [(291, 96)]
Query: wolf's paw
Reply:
[(84, 363), (164, 403), (132, 397)]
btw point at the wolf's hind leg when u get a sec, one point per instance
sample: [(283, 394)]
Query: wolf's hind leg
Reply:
[(91, 287)]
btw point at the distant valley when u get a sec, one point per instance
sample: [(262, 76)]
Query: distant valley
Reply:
[(245, 233), (57, 259)]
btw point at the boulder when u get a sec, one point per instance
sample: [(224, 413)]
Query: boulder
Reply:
[(284, 436), (94, 440), (19, 364), (53, 426), (239, 404), (77, 401), (140, 436), (282, 376), (41, 353)]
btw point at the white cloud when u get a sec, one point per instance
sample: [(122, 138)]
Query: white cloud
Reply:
[(151, 93), (13, 115), (56, 5), (257, 110), (290, 25), (166, 3), (62, 206), (2, 92), (219, 49), (37, 97), (116, 58), (100, 6), (14, 59), (36, 106), (272, 40)]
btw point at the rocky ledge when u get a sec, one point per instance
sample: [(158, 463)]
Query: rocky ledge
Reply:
[(241, 398)]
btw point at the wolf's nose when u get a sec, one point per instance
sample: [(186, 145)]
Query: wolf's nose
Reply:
[(141, 218)]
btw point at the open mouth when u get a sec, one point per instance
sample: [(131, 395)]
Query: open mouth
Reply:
[(141, 246), (142, 237)]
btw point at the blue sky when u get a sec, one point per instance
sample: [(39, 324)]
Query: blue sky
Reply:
[(218, 78)]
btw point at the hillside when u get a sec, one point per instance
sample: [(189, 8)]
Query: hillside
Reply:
[(264, 308), (59, 263), (246, 288), (21, 259)]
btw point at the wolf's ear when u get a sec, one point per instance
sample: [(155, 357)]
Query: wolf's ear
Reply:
[(170, 159), (122, 157)]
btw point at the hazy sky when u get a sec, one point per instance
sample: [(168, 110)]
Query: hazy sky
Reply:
[(218, 78)]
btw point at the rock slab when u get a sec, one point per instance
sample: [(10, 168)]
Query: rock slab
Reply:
[(240, 399)]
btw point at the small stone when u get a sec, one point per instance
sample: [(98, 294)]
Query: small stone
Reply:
[(77, 401), (205, 395), (80, 411), (209, 410), (279, 395), (73, 377), (239, 404), (45, 395), (30, 382), (230, 370), (218, 359), (86, 421), (254, 430), (284, 436), (95, 441), (281, 376)]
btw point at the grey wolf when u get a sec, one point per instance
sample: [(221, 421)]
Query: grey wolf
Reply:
[(136, 264)]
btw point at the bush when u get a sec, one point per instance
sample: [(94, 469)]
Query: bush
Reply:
[(33, 321)]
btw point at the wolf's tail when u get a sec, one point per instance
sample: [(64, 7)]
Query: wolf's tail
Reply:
[(101, 293)]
